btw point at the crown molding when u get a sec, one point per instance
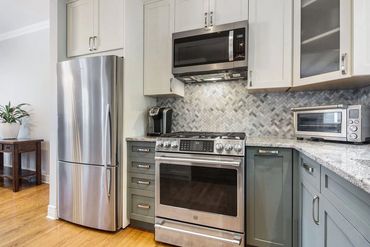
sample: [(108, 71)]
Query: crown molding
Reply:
[(24, 30)]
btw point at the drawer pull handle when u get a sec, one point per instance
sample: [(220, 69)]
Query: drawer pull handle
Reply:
[(143, 182), (143, 166), (143, 206), (143, 150), (308, 168), (270, 152), (316, 198)]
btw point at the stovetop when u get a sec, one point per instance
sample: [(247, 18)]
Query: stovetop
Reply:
[(206, 135), (216, 143)]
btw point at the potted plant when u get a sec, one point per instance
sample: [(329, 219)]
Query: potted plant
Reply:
[(11, 120)]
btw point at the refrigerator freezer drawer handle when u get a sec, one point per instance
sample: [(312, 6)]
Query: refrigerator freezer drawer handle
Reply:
[(109, 181)]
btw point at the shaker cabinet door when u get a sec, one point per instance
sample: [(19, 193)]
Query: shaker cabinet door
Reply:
[(269, 197), (223, 11), (191, 14), (80, 22), (108, 26), (270, 44)]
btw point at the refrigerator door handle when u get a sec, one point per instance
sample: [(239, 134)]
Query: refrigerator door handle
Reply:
[(107, 139)]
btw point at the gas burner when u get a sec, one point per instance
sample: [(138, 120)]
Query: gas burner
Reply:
[(206, 135)]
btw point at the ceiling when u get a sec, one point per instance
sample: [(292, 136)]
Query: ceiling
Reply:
[(15, 14)]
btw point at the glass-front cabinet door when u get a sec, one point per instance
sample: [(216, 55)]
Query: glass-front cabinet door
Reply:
[(322, 44)]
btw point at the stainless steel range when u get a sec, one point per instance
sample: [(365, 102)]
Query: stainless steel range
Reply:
[(200, 189)]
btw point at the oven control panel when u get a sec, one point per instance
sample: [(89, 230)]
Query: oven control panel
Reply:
[(217, 146)]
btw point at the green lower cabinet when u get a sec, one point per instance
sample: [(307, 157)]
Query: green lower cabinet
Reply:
[(269, 197), (323, 220), (336, 231)]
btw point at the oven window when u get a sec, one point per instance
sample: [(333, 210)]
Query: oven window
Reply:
[(212, 190), (330, 122), (202, 49)]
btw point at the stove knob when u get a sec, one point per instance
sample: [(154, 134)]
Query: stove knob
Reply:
[(238, 148), (228, 147), (159, 144), (219, 147), (174, 145), (167, 144)]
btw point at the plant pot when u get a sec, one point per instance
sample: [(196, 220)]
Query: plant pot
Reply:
[(9, 130)]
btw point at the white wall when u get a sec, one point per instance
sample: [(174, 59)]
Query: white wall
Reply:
[(24, 77)]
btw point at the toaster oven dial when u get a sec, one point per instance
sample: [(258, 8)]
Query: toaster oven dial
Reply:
[(353, 128), (238, 148), (228, 148), (219, 147), (353, 136)]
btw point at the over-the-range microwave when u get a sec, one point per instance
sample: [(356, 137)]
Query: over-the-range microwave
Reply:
[(218, 53), (347, 123)]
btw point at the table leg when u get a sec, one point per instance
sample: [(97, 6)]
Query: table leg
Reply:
[(15, 168), (38, 163), (1, 160)]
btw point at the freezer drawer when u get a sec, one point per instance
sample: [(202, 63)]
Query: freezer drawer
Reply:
[(87, 195)]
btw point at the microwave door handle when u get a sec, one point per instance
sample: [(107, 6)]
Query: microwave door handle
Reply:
[(231, 45)]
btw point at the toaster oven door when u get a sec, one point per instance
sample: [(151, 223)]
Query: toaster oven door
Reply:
[(328, 124)]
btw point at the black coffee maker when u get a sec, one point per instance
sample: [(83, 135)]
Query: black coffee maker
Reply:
[(159, 121)]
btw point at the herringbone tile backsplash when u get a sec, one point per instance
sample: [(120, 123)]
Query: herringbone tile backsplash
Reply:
[(227, 106)]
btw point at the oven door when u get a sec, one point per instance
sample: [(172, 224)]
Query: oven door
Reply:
[(323, 123), (201, 189)]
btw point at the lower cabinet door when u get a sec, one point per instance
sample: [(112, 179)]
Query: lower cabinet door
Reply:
[(269, 197), (309, 215), (336, 231)]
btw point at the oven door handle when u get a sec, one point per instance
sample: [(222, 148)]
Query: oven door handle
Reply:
[(236, 241), (200, 161)]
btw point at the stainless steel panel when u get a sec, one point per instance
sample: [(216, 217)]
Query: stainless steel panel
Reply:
[(87, 195), (182, 234), (199, 217), (88, 100)]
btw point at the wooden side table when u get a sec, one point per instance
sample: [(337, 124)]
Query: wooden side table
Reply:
[(16, 148)]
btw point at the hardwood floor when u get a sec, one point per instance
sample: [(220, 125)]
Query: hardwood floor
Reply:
[(23, 222)]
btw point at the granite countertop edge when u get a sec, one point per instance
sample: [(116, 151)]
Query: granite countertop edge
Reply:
[(342, 159)]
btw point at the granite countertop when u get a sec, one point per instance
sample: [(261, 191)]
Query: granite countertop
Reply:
[(349, 161)]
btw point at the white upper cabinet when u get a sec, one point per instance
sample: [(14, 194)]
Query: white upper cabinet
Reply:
[(94, 26), (226, 11), (158, 29), (109, 25), (80, 26), (270, 44), (195, 14), (322, 41), (191, 14)]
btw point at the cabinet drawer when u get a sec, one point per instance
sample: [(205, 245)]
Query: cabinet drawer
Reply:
[(141, 165), (141, 149), (141, 181), (309, 171), (352, 202), (141, 206)]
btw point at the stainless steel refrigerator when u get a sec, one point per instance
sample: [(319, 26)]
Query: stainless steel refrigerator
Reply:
[(89, 141)]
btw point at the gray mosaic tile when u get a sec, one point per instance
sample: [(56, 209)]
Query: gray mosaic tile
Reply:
[(227, 106)]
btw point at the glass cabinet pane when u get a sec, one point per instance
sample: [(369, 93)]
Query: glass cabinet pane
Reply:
[(320, 37)]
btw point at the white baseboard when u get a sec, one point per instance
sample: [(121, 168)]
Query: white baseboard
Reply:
[(45, 178), (52, 212)]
